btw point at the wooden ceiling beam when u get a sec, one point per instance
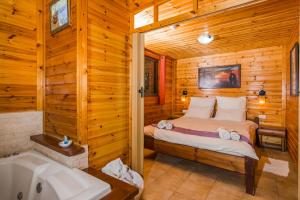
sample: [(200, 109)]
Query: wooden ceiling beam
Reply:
[(192, 14)]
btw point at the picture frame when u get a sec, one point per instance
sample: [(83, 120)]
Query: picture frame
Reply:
[(59, 15), (228, 76), (294, 70)]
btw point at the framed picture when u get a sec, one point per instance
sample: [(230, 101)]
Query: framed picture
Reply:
[(294, 70), (219, 77), (59, 15)]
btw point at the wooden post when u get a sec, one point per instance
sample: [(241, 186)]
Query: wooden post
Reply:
[(40, 61), (195, 6), (82, 71), (162, 80), (155, 19), (137, 103), (250, 167)]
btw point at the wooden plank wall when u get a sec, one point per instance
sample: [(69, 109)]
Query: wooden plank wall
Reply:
[(108, 81), (260, 67), (153, 111), (60, 78), (20, 57), (292, 102)]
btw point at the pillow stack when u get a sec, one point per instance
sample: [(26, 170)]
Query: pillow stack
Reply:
[(201, 107), (231, 108)]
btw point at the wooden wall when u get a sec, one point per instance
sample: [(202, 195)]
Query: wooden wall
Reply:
[(153, 111), (292, 102), (260, 67), (21, 57), (60, 78), (108, 81)]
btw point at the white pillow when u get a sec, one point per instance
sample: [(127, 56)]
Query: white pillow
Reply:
[(201, 107), (230, 115), (231, 108), (232, 103)]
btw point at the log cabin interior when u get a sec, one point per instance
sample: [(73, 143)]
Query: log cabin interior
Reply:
[(149, 99)]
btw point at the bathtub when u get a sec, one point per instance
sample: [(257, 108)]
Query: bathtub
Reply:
[(33, 176)]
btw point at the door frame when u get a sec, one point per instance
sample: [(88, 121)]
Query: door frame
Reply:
[(137, 102)]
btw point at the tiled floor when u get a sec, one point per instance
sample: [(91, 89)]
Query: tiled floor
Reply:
[(170, 178)]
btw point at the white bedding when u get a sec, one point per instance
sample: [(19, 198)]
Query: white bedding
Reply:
[(237, 148)]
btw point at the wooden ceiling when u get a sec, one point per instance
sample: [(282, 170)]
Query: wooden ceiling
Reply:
[(262, 25)]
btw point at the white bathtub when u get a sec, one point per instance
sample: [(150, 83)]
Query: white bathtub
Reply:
[(33, 176)]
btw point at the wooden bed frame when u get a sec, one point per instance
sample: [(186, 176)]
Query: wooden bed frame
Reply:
[(242, 165)]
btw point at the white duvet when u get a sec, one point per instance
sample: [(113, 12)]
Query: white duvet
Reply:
[(237, 148)]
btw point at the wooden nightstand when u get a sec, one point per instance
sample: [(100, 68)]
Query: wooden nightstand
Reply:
[(265, 132)]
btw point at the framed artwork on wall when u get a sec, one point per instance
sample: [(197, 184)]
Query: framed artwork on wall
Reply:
[(294, 70), (219, 77), (59, 15)]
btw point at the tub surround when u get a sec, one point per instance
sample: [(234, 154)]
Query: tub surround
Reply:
[(16, 129), (74, 156), (52, 143)]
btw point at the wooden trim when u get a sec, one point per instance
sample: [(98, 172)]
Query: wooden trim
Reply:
[(82, 83), (195, 6), (145, 6), (40, 56), (190, 15), (284, 88), (151, 54), (156, 13), (174, 68), (137, 103), (162, 80)]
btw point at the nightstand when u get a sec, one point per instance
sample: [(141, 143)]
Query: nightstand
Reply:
[(272, 136)]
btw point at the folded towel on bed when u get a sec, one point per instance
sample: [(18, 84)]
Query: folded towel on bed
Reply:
[(162, 124), (235, 136), (169, 125), (165, 124), (224, 134)]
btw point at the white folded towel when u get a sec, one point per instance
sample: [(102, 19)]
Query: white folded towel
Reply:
[(162, 124), (169, 125), (117, 169), (224, 134), (235, 136)]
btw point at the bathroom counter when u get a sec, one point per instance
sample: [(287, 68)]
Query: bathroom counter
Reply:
[(119, 189)]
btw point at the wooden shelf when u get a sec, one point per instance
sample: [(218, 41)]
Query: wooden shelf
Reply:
[(52, 143)]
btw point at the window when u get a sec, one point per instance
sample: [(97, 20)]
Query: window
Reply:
[(151, 76)]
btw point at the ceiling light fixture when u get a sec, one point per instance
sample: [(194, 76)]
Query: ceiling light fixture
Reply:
[(205, 38)]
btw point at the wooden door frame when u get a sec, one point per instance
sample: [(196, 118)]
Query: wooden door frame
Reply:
[(137, 103)]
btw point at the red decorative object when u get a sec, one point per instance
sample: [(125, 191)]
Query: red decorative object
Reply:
[(162, 79)]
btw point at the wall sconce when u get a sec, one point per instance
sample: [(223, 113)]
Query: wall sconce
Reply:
[(184, 95), (262, 96)]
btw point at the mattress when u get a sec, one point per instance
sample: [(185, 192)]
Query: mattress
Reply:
[(237, 148)]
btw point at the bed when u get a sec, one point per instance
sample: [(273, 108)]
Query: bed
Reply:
[(237, 156)]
